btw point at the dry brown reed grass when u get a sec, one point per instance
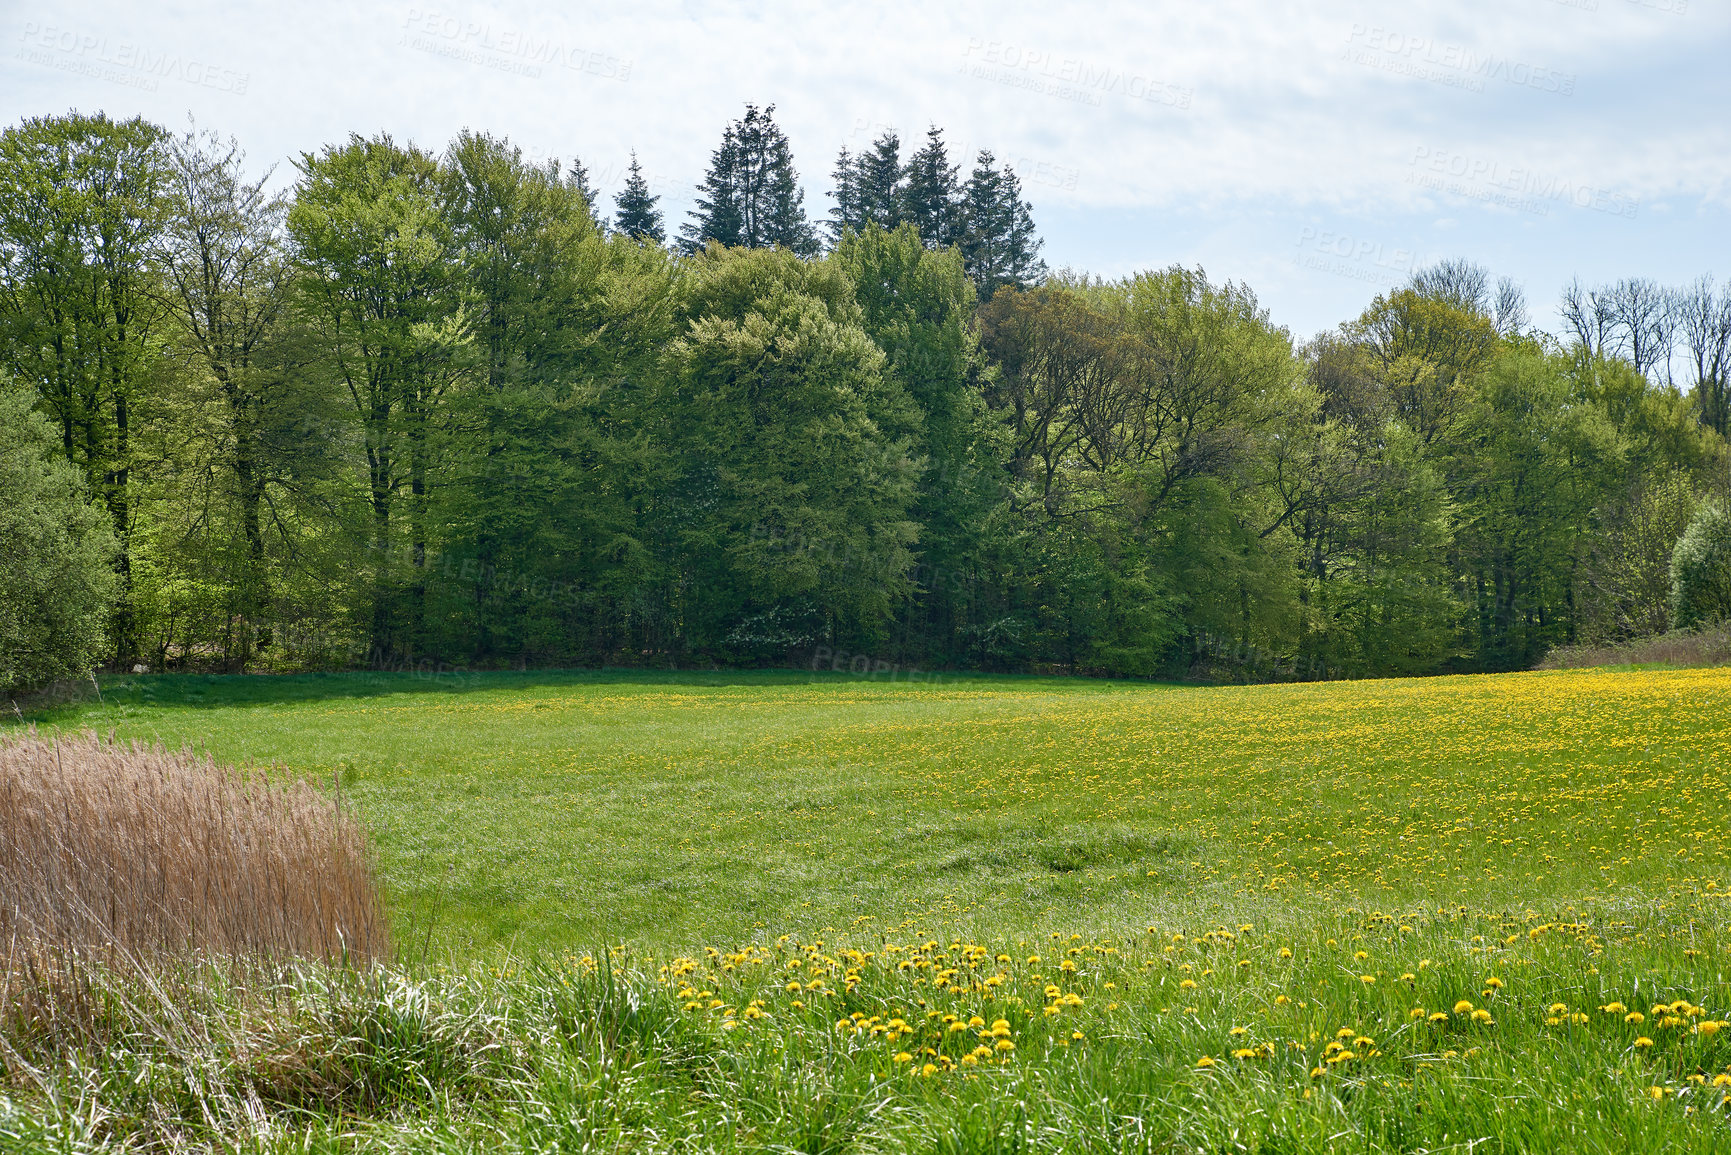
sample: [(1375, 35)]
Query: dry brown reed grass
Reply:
[(120, 847), (1706, 647)]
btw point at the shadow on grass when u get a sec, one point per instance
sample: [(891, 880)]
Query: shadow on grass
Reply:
[(219, 691)]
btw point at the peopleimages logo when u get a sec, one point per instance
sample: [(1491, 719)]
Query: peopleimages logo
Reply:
[(135, 65), (1515, 186), (505, 49), (1065, 77), (1455, 65), (1355, 258)]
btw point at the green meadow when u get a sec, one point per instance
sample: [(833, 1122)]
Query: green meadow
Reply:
[(780, 912)]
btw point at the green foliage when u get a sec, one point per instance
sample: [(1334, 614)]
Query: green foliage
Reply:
[(751, 196), (57, 580), (793, 457), (931, 202), (1627, 592), (916, 304), (1141, 413), (998, 241), (423, 410), (82, 201), (1701, 569), (376, 280), (637, 216), (541, 533)]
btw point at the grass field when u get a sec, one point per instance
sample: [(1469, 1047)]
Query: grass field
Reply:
[(1476, 913)]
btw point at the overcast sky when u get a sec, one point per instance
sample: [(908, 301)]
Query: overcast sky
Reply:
[(1314, 151)]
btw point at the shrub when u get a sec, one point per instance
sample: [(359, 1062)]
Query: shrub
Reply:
[(1701, 568), (57, 579), (111, 847)]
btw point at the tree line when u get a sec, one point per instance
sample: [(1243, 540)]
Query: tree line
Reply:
[(440, 408)]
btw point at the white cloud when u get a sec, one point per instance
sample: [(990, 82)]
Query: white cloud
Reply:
[(1208, 132)]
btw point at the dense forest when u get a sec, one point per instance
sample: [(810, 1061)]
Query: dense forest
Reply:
[(444, 410)]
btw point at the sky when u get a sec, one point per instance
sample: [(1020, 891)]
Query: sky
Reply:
[(1317, 152)]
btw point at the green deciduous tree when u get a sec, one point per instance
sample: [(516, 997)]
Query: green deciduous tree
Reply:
[(82, 202), (57, 577), (544, 457), (1701, 568), (226, 287), (792, 468), (916, 304), (375, 279)]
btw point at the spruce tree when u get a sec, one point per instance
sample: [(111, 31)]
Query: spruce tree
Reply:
[(750, 196), (984, 225), (999, 245), (638, 218), (931, 198), (879, 182), (783, 217), (578, 178), (845, 215), (1022, 244), (717, 216)]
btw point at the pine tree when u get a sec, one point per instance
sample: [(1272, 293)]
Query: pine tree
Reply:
[(984, 225), (931, 199), (879, 181), (578, 178), (783, 221), (845, 215), (751, 195), (717, 217), (638, 217), (1022, 244), (999, 246)]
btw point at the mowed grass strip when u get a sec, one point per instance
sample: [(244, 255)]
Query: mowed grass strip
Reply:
[(539, 811)]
